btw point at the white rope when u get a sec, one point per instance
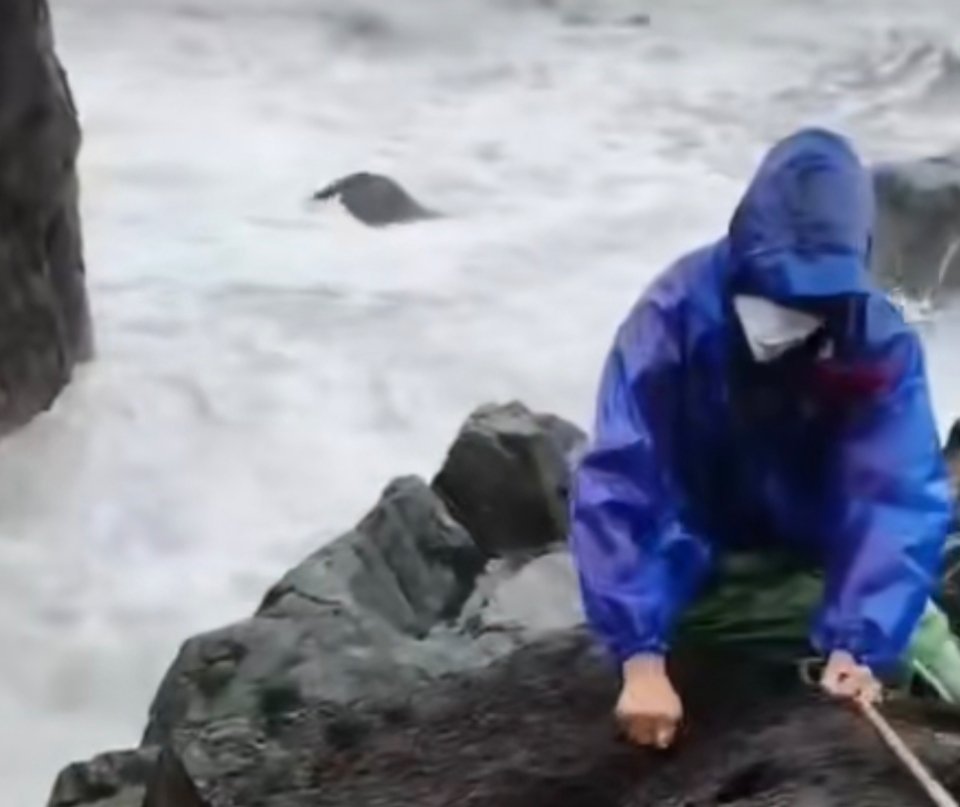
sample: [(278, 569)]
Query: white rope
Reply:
[(937, 792)]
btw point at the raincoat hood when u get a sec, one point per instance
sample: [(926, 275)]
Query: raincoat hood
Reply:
[(802, 232)]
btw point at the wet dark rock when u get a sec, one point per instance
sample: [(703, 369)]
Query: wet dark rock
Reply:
[(117, 779), (376, 200), (535, 729), (170, 785), (401, 664), (917, 241), (507, 475), (404, 598), (44, 315), (351, 618), (408, 562)]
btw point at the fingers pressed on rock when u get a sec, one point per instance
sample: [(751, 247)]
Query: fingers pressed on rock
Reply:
[(665, 734), (643, 735)]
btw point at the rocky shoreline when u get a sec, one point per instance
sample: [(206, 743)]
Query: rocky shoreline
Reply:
[(411, 595), (435, 655)]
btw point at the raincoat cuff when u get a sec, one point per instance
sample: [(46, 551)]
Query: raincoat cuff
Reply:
[(854, 641), (648, 647)]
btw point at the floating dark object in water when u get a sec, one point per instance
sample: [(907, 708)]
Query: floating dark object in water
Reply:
[(376, 200)]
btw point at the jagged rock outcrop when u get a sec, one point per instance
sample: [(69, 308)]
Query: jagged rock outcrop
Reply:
[(353, 617), (405, 664), (44, 315), (505, 477), (116, 779), (169, 784), (916, 246), (405, 596)]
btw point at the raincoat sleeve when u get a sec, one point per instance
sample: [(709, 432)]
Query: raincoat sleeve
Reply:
[(639, 561), (894, 510)]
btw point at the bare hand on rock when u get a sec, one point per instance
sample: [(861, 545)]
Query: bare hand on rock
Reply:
[(844, 677), (648, 710)]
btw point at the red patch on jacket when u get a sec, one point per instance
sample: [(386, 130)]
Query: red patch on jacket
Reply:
[(839, 384)]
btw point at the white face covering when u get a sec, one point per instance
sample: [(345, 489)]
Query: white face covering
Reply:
[(771, 329)]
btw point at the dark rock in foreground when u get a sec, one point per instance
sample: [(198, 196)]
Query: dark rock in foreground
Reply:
[(402, 664), (404, 597), (375, 200), (408, 562), (507, 475), (170, 784), (351, 618), (917, 240), (116, 779), (44, 316), (535, 729)]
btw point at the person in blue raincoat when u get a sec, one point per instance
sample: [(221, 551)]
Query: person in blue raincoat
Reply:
[(764, 395)]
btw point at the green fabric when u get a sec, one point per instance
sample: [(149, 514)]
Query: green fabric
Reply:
[(934, 654), (765, 601), (760, 599)]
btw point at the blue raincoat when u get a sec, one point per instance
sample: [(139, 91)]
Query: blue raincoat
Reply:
[(697, 449)]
